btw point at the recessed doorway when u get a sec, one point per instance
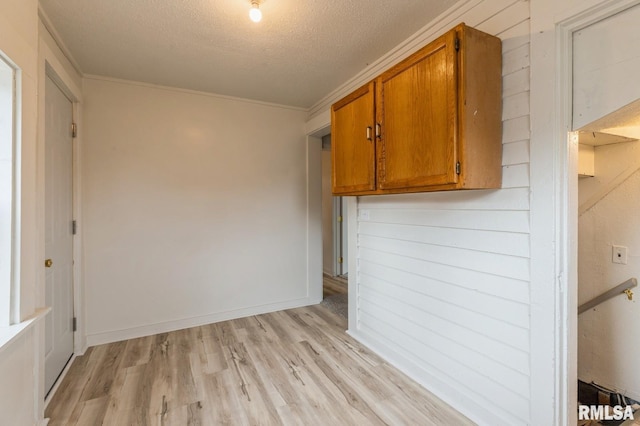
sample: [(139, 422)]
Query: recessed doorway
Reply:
[(334, 239)]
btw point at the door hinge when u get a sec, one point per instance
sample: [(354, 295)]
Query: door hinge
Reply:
[(74, 227), (339, 218), (74, 130), (340, 260), (456, 44), (458, 168), (75, 324)]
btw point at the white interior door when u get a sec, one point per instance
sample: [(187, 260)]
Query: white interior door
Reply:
[(58, 231)]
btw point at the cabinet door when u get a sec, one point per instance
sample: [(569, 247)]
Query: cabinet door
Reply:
[(417, 108), (353, 142)]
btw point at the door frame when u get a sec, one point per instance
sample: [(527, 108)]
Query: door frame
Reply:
[(50, 65), (340, 236)]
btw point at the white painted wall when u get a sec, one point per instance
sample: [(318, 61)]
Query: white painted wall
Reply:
[(194, 209), (21, 388)]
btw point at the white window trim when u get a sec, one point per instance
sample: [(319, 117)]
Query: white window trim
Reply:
[(10, 169), (13, 332)]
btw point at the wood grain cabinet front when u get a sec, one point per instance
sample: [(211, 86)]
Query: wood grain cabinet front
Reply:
[(353, 154), (430, 123)]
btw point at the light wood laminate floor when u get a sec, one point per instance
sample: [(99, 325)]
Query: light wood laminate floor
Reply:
[(294, 367), (333, 285)]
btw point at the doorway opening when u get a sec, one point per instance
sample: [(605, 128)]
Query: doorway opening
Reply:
[(606, 119), (334, 240)]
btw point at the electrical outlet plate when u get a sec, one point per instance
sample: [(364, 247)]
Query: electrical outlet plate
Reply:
[(619, 255)]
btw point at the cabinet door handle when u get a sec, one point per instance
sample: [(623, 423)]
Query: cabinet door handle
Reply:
[(378, 131), (368, 133)]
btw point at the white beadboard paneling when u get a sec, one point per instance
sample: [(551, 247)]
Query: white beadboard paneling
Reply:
[(506, 199), (384, 266), (490, 263), (440, 316), (515, 105), (516, 314), (516, 176), (515, 82), (484, 11), (515, 153), (516, 36), (471, 239), (495, 360), (515, 60), (517, 12), (512, 407), (516, 129), (489, 220)]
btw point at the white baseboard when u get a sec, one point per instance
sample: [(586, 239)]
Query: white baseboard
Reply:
[(164, 327), (461, 403)]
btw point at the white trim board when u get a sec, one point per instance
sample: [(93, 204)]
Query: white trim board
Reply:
[(165, 327)]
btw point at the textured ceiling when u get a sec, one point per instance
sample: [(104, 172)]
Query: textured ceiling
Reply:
[(297, 54)]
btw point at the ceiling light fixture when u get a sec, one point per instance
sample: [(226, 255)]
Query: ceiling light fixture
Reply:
[(255, 14)]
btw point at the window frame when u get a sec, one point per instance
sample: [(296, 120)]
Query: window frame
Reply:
[(9, 193)]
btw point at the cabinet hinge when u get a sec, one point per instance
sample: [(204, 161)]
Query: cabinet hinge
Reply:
[(75, 324), (456, 44), (74, 130), (340, 260), (74, 227), (458, 168)]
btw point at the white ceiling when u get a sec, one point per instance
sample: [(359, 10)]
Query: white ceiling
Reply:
[(297, 54)]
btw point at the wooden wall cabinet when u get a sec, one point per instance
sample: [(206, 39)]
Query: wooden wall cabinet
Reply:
[(433, 122)]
